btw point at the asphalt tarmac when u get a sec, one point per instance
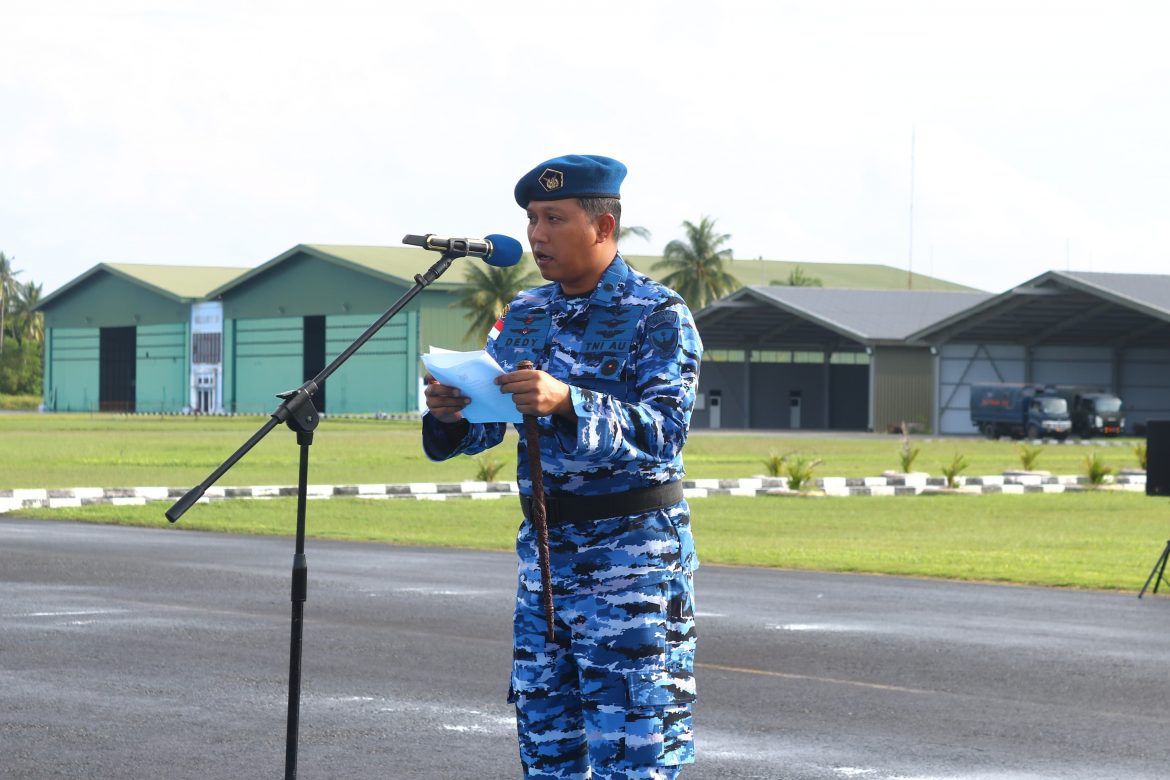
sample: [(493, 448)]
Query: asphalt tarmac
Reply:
[(133, 653)]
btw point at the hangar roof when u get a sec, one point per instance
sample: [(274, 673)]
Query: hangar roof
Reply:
[(396, 264), (1066, 307), (824, 318), (399, 264), (184, 283)]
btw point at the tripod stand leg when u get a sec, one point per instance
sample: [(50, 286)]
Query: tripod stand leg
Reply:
[(1159, 571)]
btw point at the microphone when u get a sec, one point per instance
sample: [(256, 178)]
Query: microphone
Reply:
[(500, 251)]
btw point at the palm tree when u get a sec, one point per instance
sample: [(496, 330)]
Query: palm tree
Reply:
[(27, 323), (633, 230), (696, 264), (7, 291), (488, 292), (798, 278)]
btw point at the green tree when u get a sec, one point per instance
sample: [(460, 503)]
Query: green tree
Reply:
[(633, 230), (21, 368), (798, 278), (489, 291), (27, 323), (8, 286), (696, 265)]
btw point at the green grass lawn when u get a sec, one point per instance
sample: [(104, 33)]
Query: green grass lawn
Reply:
[(1094, 539), (81, 450), (1105, 540)]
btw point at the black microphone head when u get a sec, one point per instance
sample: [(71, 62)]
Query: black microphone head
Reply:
[(506, 251)]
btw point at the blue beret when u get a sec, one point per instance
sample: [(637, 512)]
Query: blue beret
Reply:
[(571, 176)]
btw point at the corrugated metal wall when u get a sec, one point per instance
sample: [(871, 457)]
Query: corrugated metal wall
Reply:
[(264, 337), (267, 355), (71, 369), (1140, 376), (162, 368), (963, 365), (442, 324), (903, 387), (380, 377), (1144, 385)]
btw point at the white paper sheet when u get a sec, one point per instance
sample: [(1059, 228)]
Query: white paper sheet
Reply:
[(474, 374)]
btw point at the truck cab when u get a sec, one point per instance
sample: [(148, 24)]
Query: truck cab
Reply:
[(1097, 414), (1047, 416)]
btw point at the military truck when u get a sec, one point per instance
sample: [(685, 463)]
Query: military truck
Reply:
[(1095, 413), (1017, 410)]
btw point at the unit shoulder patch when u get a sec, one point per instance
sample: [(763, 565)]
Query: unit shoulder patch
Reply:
[(662, 330)]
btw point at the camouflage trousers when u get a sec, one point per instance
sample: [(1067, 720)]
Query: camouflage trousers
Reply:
[(611, 698)]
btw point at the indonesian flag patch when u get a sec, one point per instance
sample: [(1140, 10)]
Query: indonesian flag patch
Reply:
[(499, 326)]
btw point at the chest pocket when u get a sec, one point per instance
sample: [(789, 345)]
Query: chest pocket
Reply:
[(523, 337), (605, 361)]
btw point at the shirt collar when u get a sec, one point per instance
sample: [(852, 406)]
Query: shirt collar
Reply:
[(611, 284)]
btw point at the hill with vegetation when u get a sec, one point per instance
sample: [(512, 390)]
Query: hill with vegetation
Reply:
[(405, 262), (860, 276)]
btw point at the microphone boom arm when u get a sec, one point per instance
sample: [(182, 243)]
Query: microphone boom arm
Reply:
[(293, 400)]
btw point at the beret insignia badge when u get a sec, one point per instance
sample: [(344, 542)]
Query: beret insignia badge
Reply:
[(551, 180)]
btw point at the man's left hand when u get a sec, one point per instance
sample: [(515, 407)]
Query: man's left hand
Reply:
[(535, 392)]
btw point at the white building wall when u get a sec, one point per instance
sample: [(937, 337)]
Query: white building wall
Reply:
[(206, 385)]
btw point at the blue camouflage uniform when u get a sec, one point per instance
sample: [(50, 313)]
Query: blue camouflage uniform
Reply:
[(611, 697)]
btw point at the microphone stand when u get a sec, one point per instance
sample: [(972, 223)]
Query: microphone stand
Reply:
[(296, 410)]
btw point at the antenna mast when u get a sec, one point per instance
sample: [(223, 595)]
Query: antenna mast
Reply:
[(910, 251)]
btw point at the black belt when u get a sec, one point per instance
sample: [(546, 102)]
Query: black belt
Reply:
[(567, 508)]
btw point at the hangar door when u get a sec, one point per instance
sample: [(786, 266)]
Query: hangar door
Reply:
[(1090, 367), (1144, 385), (271, 355), (383, 375), (160, 366), (117, 373), (268, 358), (72, 369), (963, 365)]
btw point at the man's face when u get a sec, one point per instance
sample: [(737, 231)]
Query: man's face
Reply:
[(565, 244)]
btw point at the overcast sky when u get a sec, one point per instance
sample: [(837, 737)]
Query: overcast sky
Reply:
[(225, 133)]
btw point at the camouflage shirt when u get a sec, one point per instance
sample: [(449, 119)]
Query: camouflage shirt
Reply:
[(630, 355)]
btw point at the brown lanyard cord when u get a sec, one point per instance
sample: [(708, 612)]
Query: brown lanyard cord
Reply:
[(539, 514)]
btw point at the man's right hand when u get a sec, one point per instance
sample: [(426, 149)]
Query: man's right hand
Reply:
[(443, 401)]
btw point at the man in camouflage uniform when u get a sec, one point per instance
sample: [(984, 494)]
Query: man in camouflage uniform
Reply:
[(616, 360)]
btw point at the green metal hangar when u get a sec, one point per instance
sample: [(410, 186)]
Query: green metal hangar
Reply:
[(125, 337), (160, 338), (781, 357), (285, 320), (1102, 331)]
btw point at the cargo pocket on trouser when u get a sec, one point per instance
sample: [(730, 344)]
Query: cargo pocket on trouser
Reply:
[(661, 699), (642, 717)]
